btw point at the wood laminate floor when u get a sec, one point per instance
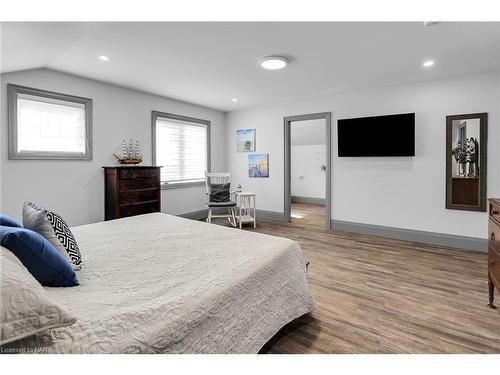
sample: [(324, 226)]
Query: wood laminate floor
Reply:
[(377, 295), (308, 214)]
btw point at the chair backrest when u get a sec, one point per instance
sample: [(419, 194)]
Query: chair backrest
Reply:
[(216, 178)]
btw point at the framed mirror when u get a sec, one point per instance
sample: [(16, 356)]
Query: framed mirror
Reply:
[(466, 145)]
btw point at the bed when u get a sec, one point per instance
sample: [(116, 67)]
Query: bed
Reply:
[(158, 283)]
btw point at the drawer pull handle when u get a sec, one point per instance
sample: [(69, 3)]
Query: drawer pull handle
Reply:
[(492, 263), (494, 212), (492, 236)]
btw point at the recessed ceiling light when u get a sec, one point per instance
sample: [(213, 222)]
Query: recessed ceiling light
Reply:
[(234, 100), (273, 62), (104, 58), (428, 63)]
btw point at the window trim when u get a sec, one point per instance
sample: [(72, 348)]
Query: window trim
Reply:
[(169, 116), (12, 94)]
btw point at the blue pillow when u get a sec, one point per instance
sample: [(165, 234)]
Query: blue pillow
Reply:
[(39, 256), (9, 222)]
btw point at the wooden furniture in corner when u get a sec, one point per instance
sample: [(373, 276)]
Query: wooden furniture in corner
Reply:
[(131, 190), (493, 249)]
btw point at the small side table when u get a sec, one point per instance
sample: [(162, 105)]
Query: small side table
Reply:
[(246, 213)]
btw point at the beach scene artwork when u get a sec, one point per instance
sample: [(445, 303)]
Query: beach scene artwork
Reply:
[(258, 165), (245, 140)]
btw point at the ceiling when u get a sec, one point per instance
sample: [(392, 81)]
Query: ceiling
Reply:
[(211, 63), (307, 132)]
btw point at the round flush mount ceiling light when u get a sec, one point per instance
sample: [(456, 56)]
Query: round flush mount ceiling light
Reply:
[(428, 63), (273, 62), (234, 100), (431, 23), (104, 58)]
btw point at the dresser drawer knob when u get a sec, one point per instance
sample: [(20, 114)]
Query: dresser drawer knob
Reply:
[(492, 263), (494, 212), (492, 236)]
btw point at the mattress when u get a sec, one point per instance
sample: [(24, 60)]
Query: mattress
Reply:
[(158, 283)]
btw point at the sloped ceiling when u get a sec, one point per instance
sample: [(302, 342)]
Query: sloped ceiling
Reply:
[(211, 63)]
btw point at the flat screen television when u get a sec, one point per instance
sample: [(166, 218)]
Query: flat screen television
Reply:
[(392, 135)]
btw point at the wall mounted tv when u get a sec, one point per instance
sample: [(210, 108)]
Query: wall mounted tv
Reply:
[(392, 135)]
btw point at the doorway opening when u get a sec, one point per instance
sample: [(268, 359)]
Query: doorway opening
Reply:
[(308, 170)]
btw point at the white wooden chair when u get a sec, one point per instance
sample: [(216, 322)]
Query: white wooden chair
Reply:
[(213, 182)]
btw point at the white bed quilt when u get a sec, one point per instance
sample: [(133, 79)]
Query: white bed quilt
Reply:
[(158, 283)]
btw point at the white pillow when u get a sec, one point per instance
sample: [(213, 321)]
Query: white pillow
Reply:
[(25, 308)]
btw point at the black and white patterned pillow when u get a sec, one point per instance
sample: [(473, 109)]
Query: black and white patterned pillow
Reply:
[(53, 227), (64, 235)]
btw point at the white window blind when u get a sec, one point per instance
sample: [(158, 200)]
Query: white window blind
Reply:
[(50, 125), (181, 148)]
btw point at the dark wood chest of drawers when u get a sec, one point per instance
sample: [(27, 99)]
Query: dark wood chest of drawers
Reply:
[(494, 249), (130, 191)]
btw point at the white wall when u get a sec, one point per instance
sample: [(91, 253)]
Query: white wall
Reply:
[(308, 180), (308, 151), (397, 192), (307, 132), (76, 188)]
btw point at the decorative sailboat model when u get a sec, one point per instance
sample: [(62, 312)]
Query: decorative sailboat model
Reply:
[(129, 154)]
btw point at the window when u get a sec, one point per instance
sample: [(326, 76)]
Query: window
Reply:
[(182, 146), (48, 125)]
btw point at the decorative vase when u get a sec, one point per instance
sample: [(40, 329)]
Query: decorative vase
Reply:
[(472, 170), (462, 169)]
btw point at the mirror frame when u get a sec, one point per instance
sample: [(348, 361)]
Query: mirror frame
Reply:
[(483, 142)]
